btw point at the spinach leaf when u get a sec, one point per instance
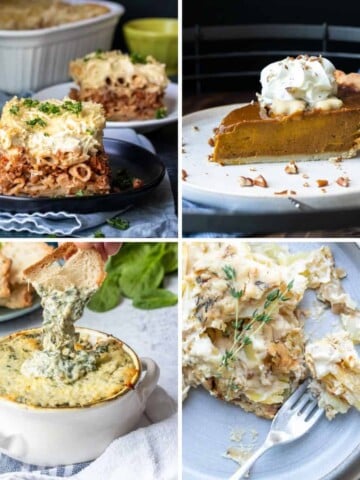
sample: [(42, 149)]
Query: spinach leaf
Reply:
[(137, 271), (156, 299), (107, 297)]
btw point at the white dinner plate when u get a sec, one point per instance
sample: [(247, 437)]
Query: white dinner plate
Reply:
[(171, 102), (214, 185), (328, 451)]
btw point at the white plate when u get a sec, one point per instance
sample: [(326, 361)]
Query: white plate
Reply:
[(171, 102), (324, 452), (214, 185)]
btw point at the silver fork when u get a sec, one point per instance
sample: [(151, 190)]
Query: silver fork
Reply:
[(297, 415)]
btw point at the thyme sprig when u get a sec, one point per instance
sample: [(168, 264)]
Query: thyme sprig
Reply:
[(243, 334)]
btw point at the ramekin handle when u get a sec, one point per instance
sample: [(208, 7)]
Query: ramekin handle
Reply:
[(148, 383)]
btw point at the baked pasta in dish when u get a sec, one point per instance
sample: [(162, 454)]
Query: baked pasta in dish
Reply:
[(25, 15), (52, 148), (243, 337), (128, 86)]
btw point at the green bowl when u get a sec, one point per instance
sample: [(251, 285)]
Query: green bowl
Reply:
[(154, 36)]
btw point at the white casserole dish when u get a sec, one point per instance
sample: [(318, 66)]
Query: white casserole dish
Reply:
[(33, 59), (60, 436)]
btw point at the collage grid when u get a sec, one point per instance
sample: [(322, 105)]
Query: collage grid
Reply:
[(179, 265)]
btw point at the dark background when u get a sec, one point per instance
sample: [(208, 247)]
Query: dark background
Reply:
[(211, 12), (235, 73)]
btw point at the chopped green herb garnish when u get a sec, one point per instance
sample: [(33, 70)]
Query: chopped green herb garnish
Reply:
[(137, 58), (123, 180), (98, 54), (80, 193), (118, 223), (46, 134), (30, 102), (99, 234), (161, 113), (14, 109), (74, 107), (48, 107), (36, 121), (90, 131), (230, 273), (246, 328)]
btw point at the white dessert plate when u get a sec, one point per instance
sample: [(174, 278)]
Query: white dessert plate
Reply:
[(330, 450), (171, 101), (214, 185)]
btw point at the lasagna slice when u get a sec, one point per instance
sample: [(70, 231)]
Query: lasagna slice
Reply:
[(52, 148), (128, 87), (335, 368), (242, 339)]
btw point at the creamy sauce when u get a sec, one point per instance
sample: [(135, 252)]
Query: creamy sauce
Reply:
[(59, 359), (115, 372)]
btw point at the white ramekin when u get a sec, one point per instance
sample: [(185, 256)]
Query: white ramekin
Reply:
[(33, 59), (61, 436)]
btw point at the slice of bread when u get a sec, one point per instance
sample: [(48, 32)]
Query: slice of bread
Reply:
[(22, 255), (21, 297), (83, 269)]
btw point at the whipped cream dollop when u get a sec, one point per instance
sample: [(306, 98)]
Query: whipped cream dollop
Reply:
[(297, 84)]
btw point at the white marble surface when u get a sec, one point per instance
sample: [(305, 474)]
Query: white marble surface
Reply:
[(151, 333)]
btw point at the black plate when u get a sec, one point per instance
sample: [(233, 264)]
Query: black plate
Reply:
[(137, 160)]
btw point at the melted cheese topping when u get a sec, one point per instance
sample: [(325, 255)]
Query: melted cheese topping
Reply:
[(45, 129), (115, 372), (101, 69), (263, 372)]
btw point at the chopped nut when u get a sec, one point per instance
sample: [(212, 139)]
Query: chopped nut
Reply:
[(306, 184), (252, 169), (184, 174), (291, 168), (211, 142), (324, 190), (335, 159), (343, 181), (246, 181), (260, 181), (322, 183), (211, 157), (305, 176), (196, 128), (286, 192)]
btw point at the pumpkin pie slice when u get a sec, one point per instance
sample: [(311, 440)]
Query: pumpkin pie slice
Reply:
[(251, 134)]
